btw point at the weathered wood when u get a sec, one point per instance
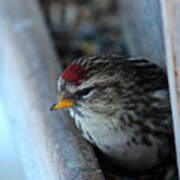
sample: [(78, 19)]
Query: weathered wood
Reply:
[(49, 145), (171, 27), (142, 29)]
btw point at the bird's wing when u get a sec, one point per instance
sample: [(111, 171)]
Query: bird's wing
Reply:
[(151, 76), (154, 85)]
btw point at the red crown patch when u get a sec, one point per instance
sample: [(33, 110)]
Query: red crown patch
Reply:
[(74, 74)]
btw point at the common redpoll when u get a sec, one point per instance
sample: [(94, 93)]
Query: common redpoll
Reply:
[(121, 105)]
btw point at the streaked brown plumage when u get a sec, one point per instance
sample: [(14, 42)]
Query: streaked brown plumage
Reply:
[(121, 105)]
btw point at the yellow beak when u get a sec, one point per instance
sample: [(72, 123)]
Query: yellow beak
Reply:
[(62, 103)]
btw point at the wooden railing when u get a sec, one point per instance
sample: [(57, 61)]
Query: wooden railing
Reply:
[(171, 26)]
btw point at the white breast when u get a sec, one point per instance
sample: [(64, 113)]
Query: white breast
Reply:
[(119, 144)]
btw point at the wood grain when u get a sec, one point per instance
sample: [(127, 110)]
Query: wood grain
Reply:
[(171, 29)]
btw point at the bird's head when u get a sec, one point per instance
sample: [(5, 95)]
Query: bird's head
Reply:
[(90, 82)]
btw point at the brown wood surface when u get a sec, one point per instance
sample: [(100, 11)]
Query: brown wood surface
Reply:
[(49, 145), (171, 26)]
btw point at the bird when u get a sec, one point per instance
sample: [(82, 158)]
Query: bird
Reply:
[(121, 105)]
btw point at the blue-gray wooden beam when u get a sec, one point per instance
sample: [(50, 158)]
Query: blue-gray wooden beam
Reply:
[(141, 25)]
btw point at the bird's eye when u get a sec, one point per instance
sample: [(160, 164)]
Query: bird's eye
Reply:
[(84, 92)]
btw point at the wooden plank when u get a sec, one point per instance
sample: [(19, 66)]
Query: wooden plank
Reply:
[(142, 30), (171, 29), (49, 145)]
